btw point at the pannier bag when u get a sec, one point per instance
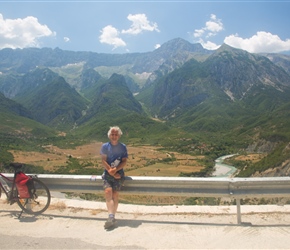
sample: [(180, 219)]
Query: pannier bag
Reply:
[(22, 184)]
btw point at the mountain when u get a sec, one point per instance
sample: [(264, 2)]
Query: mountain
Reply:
[(114, 103), (31, 82), (51, 100), (229, 65), (280, 60), (178, 79), (18, 130), (12, 107), (70, 65), (228, 75), (111, 100), (228, 98), (10, 84), (23, 60), (231, 98), (90, 81), (16, 121), (181, 51)]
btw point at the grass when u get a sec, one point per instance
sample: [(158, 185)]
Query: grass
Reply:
[(142, 161)]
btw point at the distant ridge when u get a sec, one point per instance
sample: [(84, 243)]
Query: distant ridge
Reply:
[(227, 98)]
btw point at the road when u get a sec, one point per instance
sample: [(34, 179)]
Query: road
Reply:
[(75, 224)]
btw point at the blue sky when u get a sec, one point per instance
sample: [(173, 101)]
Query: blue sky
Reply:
[(142, 26)]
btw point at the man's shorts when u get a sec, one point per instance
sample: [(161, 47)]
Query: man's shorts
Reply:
[(110, 182)]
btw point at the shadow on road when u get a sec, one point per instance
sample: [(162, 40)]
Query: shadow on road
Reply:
[(133, 223)]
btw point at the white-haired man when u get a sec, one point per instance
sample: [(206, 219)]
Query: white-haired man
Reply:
[(114, 158)]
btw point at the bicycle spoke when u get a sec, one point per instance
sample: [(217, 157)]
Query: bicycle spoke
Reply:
[(40, 199)]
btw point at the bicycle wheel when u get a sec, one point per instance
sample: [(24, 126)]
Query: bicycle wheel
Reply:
[(40, 199)]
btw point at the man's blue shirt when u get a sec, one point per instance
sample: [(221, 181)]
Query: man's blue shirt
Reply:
[(114, 152)]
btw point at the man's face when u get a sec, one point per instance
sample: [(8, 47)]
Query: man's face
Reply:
[(114, 136)]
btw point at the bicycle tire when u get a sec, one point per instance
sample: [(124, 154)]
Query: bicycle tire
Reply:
[(40, 200)]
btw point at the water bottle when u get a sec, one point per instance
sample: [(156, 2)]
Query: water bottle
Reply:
[(93, 178), (115, 163), (4, 184)]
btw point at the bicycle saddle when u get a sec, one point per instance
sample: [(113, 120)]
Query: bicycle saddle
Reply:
[(16, 165)]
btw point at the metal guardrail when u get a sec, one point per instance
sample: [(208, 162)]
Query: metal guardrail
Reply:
[(234, 188), (216, 187)]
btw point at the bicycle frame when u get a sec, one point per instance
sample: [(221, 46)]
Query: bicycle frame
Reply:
[(32, 196), (9, 194)]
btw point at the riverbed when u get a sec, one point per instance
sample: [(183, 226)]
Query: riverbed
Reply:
[(223, 170)]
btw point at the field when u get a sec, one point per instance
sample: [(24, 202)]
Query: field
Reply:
[(253, 158), (142, 161)]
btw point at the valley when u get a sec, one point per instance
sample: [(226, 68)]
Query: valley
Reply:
[(211, 104), (142, 161)]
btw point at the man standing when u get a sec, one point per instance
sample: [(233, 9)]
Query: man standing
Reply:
[(114, 158)]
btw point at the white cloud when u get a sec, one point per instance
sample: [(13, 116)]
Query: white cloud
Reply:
[(139, 24), (21, 33), (212, 27), (110, 35), (66, 39), (209, 45), (261, 42), (198, 33), (157, 46)]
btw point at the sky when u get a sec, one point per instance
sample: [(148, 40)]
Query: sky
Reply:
[(143, 26)]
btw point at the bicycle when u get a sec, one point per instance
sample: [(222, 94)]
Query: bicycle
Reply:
[(37, 197)]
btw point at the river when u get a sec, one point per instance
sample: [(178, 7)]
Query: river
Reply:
[(221, 169)]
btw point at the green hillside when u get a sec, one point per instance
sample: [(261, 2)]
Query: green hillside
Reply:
[(56, 104), (180, 97)]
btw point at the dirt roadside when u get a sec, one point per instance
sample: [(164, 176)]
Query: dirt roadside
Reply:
[(75, 224)]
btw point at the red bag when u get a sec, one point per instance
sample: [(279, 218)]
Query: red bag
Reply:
[(21, 184)]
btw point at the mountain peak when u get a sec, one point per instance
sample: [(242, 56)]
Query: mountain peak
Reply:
[(226, 47), (179, 44)]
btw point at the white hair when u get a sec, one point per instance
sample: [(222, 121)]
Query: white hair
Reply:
[(116, 128)]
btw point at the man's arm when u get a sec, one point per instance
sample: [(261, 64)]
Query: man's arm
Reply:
[(105, 163), (122, 164)]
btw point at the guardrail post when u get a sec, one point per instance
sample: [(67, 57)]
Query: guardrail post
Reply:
[(238, 201)]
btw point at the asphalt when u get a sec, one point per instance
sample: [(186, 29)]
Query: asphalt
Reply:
[(78, 224)]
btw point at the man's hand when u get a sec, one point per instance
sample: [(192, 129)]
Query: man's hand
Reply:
[(113, 172)]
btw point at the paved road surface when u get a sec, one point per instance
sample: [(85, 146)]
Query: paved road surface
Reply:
[(72, 224)]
